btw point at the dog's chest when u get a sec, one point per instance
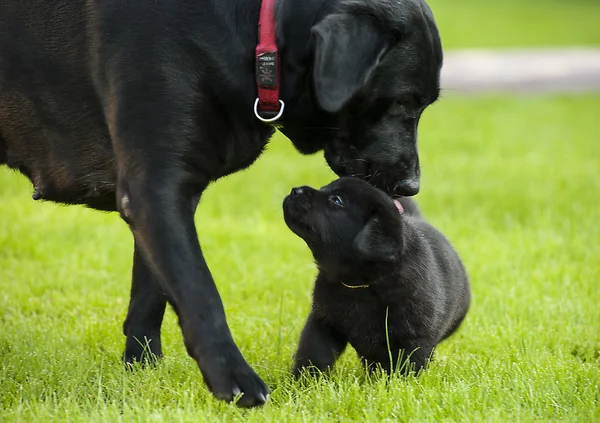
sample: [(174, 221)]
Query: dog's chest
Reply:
[(368, 322), (241, 147)]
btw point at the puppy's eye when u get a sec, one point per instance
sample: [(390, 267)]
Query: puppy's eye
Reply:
[(336, 201)]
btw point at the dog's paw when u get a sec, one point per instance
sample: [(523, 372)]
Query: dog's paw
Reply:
[(237, 382), (148, 352), (145, 359)]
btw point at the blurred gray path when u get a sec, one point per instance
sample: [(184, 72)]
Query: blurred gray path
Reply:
[(516, 70)]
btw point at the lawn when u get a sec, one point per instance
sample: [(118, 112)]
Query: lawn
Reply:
[(514, 182), (525, 23)]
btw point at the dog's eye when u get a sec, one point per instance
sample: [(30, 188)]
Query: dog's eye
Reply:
[(336, 201), (405, 112), (400, 107)]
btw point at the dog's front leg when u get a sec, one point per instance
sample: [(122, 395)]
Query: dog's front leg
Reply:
[(163, 225), (144, 317), (146, 310), (153, 136), (319, 347)]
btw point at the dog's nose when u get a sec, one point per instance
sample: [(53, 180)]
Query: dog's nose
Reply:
[(407, 187), (297, 191)]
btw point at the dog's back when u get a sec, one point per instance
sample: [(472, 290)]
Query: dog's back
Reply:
[(455, 278), (445, 268)]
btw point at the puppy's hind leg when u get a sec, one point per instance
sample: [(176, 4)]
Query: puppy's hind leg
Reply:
[(145, 314), (414, 356), (319, 347)]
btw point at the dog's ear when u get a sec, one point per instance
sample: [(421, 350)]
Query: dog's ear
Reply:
[(374, 243), (347, 51)]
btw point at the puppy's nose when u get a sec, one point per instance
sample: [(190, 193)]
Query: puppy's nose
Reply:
[(297, 191), (407, 187)]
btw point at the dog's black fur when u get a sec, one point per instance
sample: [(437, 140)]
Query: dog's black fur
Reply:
[(389, 284), (137, 106)]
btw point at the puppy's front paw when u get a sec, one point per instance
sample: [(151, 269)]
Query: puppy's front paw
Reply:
[(310, 370), (297, 371)]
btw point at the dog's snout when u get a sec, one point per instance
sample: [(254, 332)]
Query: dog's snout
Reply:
[(407, 187), (298, 191)]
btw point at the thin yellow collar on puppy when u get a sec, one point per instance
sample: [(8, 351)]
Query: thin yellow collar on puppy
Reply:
[(354, 286)]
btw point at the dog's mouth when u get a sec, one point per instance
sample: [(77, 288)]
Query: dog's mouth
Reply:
[(397, 179), (295, 213), (300, 227)]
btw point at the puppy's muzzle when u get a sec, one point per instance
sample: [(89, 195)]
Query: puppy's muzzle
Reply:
[(299, 199), (296, 210)]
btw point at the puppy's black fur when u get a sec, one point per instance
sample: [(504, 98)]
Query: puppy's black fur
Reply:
[(137, 106), (389, 283)]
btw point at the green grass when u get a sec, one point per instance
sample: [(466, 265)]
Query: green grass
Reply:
[(513, 182), (509, 23)]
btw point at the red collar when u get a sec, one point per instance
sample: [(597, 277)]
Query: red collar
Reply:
[(268, 107)]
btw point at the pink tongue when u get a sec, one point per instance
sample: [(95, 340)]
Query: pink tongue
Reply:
[(399, 206)]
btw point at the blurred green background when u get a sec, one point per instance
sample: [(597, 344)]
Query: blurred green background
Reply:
[(511, 23)]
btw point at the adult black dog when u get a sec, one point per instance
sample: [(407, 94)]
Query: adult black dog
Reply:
[(137, 106), (389, 283)]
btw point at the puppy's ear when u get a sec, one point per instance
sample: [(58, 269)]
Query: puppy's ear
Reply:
[(374, 243), (348, 49)]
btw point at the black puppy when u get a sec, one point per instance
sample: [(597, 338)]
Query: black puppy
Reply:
[(137, 106), (389, 283)]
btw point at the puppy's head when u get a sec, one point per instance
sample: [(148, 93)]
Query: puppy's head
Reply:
[(345, 223)]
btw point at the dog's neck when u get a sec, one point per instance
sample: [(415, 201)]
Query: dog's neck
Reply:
[(359, 277)]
